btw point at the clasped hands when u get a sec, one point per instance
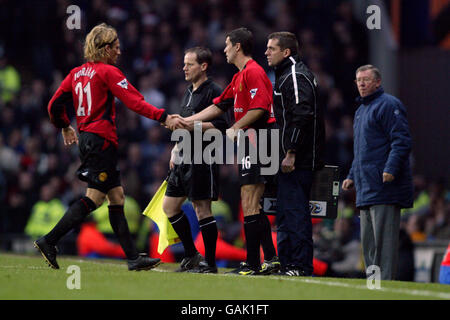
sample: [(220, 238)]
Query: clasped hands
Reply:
[(175, 121)]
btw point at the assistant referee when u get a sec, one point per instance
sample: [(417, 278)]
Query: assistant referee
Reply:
[(198, 182)]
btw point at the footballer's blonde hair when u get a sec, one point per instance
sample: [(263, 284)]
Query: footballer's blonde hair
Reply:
[(97, 40)]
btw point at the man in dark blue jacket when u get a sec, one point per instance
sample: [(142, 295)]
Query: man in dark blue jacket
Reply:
[(380, 170)]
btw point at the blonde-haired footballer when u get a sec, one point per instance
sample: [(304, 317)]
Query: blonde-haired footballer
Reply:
[(90, 89)]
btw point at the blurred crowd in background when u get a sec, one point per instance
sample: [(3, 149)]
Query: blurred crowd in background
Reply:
[(37, 50)]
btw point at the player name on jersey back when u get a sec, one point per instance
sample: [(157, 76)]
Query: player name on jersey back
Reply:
[(84, 72)]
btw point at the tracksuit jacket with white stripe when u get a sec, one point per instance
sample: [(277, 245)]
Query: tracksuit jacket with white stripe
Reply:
[(299, 118)]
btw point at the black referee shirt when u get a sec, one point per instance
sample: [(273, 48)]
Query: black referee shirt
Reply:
[(195, 101)]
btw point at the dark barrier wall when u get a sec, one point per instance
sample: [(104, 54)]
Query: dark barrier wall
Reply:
[(424, 87)]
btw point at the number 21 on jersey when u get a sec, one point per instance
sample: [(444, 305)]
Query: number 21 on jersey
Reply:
[(79, 90)]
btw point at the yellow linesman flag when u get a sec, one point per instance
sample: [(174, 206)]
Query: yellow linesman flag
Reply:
[(154, 210)]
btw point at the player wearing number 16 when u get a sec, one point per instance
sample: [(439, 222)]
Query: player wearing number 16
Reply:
[(91, 89), (250, 93)]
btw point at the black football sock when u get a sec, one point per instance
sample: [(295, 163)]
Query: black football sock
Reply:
[(208, 227), (266, 237), (73, 217), (180, 224), (252, 239), (120, 227)]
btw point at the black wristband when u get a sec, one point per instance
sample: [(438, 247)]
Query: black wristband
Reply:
[(163, 117)]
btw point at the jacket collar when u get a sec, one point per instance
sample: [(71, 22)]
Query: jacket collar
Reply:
[(371, 97), (286, 63), (199, 89)]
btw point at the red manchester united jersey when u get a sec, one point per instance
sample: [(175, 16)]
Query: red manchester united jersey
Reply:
[(249, 89), (91, 89)]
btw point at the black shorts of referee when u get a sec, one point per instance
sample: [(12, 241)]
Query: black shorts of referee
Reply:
[(98, 162), (194, 181)]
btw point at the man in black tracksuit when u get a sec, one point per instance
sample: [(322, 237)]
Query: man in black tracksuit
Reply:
[(196, 181), (302, 134)]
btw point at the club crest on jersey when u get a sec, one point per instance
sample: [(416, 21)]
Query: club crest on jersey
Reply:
[(103, 176), (253, 92), (123, 84)]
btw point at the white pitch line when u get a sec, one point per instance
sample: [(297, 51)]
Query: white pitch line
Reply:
[(28, 267), (414, 292)]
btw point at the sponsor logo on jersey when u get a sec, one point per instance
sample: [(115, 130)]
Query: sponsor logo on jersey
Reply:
[(253, 92), (123, 84), (103, 176)]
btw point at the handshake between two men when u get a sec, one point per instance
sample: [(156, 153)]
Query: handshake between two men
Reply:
[(175, 121)]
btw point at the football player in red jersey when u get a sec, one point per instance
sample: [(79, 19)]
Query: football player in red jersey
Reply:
[(250, 92), (91, 89)]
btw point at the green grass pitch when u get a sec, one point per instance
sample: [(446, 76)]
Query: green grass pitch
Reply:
[(29, 278)]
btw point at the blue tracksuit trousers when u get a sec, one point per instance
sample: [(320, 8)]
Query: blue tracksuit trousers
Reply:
[(294, 227)]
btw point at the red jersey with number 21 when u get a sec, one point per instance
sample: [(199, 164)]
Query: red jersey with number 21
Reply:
[(91, 89)]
